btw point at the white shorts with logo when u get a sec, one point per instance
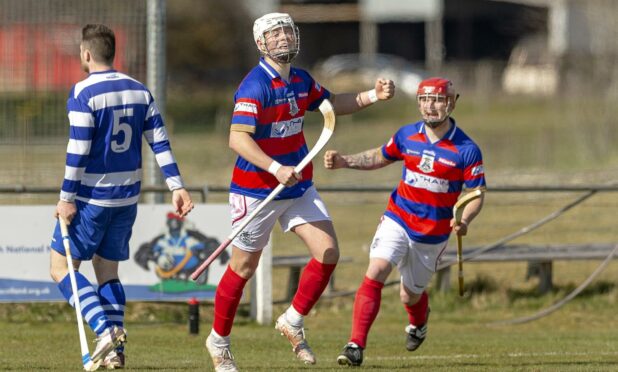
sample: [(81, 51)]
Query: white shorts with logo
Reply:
[(415, 261), (289, 212)]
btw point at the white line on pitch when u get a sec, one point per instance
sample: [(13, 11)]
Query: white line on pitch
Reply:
[(508, 355)]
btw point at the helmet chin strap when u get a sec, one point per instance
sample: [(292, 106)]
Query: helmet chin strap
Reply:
[(435, 124), (285, 57)]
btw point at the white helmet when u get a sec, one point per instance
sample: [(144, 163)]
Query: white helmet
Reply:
[(270, 21)]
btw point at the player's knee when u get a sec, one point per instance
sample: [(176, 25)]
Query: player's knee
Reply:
[(407, 297), (57, 273), (331, 256)]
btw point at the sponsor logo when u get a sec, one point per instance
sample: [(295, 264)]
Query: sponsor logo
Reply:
[(478, 170), (426, 163), (286, 128), (245, 107), (279, 101), (112, 76), (447, 162), (293, 105), (423, 181), (304, 94), (412, 152)]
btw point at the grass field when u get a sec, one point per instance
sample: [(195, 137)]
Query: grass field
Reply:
[(524, 142), (581, 338)]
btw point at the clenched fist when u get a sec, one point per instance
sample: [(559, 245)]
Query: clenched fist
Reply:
[(333, 160), (385, 89)]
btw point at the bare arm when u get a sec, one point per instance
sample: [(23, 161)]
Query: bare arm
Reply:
[(347, 103), (471, 210), (366, 160), (244, 145)]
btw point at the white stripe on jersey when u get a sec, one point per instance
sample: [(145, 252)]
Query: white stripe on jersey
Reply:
[(119, 98), (73, 174), (165, 158), (263, 65), (153, 110), (423, 181), (97, 78), (110, 202), (156, 135), (79, 147), (67, 196), (81, 119), (174, 183), (112, 179)]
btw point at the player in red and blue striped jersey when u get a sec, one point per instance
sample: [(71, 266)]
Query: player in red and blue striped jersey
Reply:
[(439, 160), (109, 113), (267, 133)]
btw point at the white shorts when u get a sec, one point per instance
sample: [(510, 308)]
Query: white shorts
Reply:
[(289, 212), (415, 261)]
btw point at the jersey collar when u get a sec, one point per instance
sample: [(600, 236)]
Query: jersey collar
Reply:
[(449, 135), (271, 72), (102, 72)]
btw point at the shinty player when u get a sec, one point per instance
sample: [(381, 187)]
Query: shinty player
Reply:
[(439, 159), (108, 112), (267, 133)]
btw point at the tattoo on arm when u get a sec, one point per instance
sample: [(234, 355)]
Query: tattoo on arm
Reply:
[(367, 160)]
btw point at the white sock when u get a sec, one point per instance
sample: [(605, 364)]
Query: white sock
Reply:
[(219, 341), (294, 317)]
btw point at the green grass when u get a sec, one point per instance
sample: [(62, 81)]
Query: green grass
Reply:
[(580, 338)]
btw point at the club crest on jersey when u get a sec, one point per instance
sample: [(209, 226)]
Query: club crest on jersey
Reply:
[(293, 105), (426, 163)]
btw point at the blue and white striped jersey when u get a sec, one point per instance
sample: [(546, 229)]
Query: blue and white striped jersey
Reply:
[(109, 112)]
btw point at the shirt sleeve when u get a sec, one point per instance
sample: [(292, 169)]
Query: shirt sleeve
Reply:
[(247, 108), (317, 94), (81, 132), (474, 172), (392, 150), (156, 136)]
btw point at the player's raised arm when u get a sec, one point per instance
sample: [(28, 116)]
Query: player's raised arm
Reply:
[(366, 160), (347, 103)]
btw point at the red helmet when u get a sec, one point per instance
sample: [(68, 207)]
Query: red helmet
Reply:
[(436, 85)]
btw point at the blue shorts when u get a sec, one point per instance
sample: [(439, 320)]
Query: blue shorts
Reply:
[(104, 231)]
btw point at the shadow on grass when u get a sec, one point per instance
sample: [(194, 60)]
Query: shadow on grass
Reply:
[(595, 289), (482, 284)]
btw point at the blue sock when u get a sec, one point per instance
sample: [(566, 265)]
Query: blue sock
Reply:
[(113, 300), (89, 301)]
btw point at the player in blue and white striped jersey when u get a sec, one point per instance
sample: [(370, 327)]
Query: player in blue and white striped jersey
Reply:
[(109, 113)]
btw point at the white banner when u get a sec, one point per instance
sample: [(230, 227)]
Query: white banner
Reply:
[(163, 252)]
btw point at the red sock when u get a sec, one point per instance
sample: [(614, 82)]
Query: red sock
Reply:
[(417, 313), (312, 283), (227, 297), (366, 307)]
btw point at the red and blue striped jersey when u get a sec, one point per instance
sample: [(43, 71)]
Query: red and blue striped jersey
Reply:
[(273, 111), (432, 179)]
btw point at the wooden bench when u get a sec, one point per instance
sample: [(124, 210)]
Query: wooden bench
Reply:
[(295, 265), (539, 258)]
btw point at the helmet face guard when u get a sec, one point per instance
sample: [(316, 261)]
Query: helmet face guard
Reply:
[(277, 36), (436, 100)]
